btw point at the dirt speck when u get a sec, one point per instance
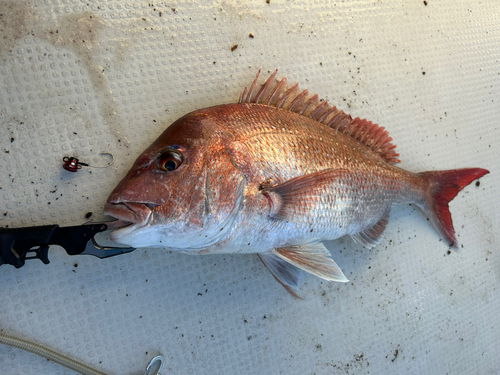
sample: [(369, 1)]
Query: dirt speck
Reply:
[(396, 353), (353, 366)]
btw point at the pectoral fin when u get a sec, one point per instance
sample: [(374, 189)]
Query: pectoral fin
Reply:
[(313, 258), (297, 195)]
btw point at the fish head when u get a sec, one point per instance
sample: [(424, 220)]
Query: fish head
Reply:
[(172, 196)]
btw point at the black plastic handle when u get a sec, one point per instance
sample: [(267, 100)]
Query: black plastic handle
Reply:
[(20, 244)]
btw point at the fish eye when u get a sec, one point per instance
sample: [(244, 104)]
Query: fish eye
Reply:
[(169, 160)]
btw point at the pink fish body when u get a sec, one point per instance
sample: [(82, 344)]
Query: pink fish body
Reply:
[(275, 174)]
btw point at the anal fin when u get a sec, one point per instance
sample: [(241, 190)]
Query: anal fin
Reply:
[(313, 258), (372, 236)]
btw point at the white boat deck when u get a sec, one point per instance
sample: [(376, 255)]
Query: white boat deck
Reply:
[(78, 78)]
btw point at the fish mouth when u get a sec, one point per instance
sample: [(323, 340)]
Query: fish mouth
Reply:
[(131, 216)]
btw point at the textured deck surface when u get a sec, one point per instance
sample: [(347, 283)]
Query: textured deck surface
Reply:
[(82, 77)]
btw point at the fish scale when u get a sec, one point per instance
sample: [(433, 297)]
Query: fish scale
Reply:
[(275, 174)]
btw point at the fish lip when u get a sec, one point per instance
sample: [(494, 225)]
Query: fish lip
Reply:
[(131, 216), (129, 212)]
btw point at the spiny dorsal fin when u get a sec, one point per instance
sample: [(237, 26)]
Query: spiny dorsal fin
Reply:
[(277, 93)]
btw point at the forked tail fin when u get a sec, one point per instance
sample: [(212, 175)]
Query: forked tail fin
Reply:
[(443, 187)]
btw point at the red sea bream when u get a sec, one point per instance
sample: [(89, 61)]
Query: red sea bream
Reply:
[(275, 174)]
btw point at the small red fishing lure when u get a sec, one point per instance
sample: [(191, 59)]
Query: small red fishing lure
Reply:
[(72, 164)]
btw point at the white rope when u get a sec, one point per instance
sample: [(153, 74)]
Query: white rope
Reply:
[(49, 354)]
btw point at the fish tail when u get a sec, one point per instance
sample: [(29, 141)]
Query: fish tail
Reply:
[(443, 186)]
